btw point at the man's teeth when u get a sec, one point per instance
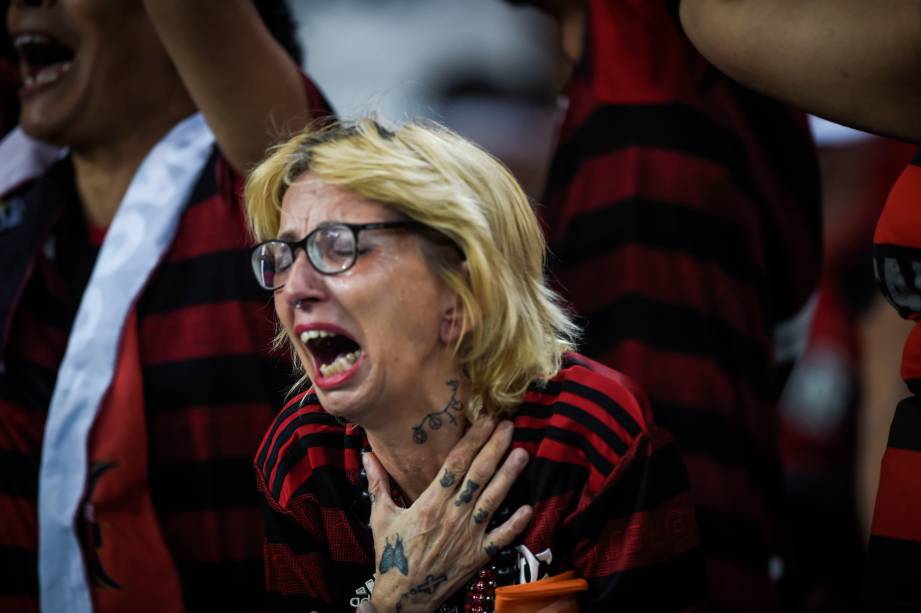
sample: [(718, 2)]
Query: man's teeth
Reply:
[(47, 75), (26, 39), (341, 364), (309, 335)]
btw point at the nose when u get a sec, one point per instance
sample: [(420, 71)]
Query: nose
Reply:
[(304, 286)]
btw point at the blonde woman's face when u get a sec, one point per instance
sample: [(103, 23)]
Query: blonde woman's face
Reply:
[(366, 335)]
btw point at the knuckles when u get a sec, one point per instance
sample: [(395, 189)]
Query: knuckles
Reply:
[(457, 467)]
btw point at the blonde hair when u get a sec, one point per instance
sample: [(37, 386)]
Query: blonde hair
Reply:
[(514, 329)]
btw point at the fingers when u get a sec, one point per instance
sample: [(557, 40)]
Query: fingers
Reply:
[(378, 483), (498, 487), (484, 466), (459, 460), (506, 533)]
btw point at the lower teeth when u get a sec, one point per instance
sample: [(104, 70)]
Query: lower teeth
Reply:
[(47, 75), (341, 364)]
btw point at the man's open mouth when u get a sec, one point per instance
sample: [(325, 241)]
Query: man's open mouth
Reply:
[(333, 353), (42, 59)]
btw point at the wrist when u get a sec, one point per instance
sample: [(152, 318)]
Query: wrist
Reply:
[(383, 598)]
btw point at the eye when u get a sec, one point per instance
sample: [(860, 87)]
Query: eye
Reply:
[(339, 241), (278, 256)]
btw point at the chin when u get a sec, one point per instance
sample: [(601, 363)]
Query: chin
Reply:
[(44, 133), (341, 408), (50, 125)]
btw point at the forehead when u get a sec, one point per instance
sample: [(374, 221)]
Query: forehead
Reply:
[(310, 202)]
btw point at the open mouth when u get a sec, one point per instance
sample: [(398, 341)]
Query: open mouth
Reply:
[(333, 353), (42, 59)]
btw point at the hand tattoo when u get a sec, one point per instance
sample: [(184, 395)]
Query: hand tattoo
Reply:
[(394, 557), (467, 495), (447, 479), (435, 420), (480, 516), (428, 586)]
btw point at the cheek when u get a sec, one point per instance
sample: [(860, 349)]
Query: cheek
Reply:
[(411, 319)]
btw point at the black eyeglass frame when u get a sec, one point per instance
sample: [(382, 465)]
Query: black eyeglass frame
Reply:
[(354, 228)]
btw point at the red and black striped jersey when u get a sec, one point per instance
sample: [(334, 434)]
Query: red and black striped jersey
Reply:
[(211, 385), (893, 565), (683, 215), (37, 341), (609, 491)]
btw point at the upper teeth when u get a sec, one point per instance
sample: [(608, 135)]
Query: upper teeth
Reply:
[(26, 39), (309, 335)]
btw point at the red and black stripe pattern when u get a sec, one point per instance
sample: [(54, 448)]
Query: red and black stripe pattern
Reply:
[(36, 344), (683, 213), (893, 568), (609, 491), (211, 386)]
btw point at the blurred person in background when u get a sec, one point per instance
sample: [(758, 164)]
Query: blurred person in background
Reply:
[(857, 64), (135, 378), (824, 437), (683, 213), (513, 121)]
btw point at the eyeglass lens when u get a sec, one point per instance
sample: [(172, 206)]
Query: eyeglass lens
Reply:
[(330, 249)]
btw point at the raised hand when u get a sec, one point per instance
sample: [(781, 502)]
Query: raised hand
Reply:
[(426, 552)]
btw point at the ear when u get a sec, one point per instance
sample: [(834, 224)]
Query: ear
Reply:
[(452, 311)]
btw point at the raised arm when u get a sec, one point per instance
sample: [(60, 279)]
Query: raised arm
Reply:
[(851, 61), (238, 75)]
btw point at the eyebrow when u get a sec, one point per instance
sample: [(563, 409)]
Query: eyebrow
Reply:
[(291, 235), (288, 235)]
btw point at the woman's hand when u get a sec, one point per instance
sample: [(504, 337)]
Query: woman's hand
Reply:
[(426, 552)]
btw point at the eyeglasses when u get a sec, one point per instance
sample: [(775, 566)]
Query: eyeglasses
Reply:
[(331, 249)]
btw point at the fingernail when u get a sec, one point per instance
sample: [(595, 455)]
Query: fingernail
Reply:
[(364, 459), (366, 607)]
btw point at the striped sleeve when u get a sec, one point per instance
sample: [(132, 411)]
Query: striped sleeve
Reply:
[(298, 571), (628, 527), (636, 539)]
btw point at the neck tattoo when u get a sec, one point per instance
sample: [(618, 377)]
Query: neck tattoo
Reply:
[(436, 419)]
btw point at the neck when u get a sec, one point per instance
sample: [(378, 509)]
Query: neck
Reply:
[(104, 170), (412, 449)]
